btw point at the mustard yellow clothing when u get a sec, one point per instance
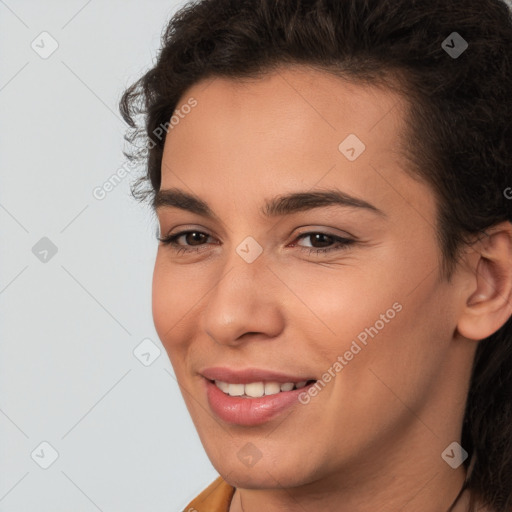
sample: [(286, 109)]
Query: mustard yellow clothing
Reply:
[(215, 498)]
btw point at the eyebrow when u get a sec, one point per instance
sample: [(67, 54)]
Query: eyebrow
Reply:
[(277, 206)]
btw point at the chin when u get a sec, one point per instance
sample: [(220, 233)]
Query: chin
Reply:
[(273, 470), (262, 478)]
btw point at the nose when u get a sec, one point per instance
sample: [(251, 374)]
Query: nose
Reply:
[(245, 303)]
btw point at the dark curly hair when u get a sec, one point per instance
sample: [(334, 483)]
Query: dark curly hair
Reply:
[(458, 140)]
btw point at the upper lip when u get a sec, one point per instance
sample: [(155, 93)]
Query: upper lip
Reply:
[(248, 375)]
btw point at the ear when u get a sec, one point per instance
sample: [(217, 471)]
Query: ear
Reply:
[(489, 298)]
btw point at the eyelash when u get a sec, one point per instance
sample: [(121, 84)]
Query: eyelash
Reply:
[(342, 243)]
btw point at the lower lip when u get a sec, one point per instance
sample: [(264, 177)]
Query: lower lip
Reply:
[(250, 411)]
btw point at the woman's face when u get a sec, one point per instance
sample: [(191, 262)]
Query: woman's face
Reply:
[(254, 288)]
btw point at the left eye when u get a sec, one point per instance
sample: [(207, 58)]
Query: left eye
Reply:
[(316, 237), (322, 239)]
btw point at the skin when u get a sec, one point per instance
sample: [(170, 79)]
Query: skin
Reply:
[(372, 439)]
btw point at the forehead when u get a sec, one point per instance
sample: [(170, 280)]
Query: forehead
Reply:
[(295, 94), (286, 130), (294, 108)]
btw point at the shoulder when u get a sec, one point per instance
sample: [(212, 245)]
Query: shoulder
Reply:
[(215, 498)]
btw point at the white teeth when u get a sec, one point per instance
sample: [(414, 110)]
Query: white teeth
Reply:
[(272, 388), (224, 386), (257, 389), (236, 389)]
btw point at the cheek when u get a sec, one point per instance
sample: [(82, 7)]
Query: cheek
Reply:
[(383, 314), (340, 303), (172, 302), (161, 301), (401, 353)]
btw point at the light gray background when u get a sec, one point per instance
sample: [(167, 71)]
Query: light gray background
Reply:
[(69, 326), (68, 375)]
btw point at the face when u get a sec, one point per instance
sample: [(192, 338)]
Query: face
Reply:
[(346, 292)]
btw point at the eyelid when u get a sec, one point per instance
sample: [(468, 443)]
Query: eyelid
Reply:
[(311, 229), (184, 228)]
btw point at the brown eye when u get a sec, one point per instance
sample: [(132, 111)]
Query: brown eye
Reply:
[(194, 237), (320, 238), (190, 238), (324, 242)]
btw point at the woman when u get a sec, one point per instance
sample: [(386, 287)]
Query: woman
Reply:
[(332, 181)]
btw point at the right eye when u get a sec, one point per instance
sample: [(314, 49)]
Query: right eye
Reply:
[(188, 236)]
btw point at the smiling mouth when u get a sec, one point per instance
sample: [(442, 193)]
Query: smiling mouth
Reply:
[(259, 389)]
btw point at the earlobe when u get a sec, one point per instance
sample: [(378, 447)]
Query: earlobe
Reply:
[(489, 304)]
